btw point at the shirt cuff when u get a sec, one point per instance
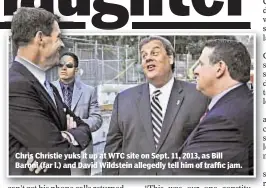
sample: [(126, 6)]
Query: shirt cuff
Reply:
[(69, 137)]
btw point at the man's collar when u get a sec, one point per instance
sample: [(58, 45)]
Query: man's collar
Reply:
[(168, 85), (71, 84), (39, 73), (216, 98)]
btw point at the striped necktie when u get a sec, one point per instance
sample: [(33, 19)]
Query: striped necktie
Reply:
[(67, 95), (156, 116)]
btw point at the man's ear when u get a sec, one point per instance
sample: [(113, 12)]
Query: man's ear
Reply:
[(221, 68), (76, 70), (171, 59), (39, 37)]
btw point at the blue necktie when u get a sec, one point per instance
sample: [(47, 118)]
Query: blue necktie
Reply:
[(67, 95)]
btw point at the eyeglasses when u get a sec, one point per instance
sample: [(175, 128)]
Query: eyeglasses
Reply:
[(68, 65)]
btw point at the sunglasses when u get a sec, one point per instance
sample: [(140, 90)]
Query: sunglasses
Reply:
[(68, 65)]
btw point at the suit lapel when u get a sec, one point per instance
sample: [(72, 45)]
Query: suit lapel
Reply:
[(57, 85), (77, 92), (20, 68), (144, 110), (23, 70), (60, 108), (59, 101), (174, 104), (47, 96)]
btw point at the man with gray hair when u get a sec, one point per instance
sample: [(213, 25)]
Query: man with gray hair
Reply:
[(151, 121), (40, 134)]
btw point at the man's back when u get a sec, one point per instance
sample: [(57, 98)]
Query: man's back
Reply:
[(226, 129)]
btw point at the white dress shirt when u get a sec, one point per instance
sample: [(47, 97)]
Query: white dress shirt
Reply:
[(164, 96), (39, 74)]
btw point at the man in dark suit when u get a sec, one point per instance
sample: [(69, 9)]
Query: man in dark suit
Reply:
[(222, 143), (38, 127), (81, 99), (154, 118)]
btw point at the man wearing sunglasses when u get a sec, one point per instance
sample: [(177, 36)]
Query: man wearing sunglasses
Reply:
[(79, 97)]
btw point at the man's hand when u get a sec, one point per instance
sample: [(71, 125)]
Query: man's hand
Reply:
[(70, 122), (35, 167)]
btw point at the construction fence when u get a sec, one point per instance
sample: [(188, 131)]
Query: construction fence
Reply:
[(108, 64)]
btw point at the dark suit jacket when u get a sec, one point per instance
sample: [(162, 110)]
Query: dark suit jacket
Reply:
[(131, 128), (227, 128), (35, 123)]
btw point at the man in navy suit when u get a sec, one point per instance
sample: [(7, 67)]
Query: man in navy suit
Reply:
[(222, 143)]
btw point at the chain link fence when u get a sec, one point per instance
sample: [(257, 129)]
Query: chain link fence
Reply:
[(108, 64)]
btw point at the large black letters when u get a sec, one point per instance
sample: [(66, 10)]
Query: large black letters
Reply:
[(108, 8), (82, 8), (137, 7), (201, 8), (234, 7), (155, 7), (178, 8), (10, 6)]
